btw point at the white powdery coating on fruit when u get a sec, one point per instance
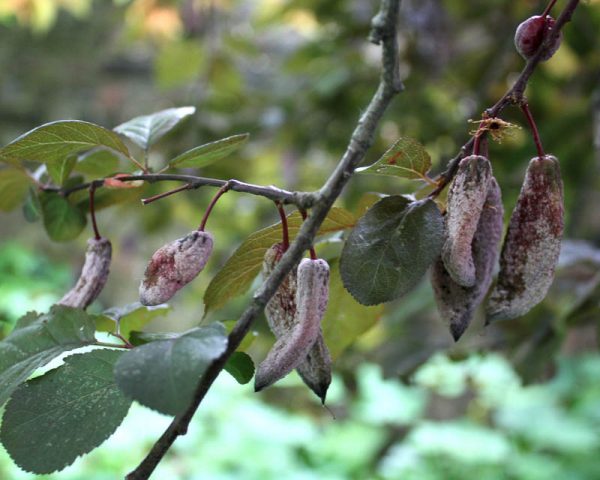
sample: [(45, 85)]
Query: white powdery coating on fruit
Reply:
[(175, 265), (457, 304), (465, 202), (93, 275), (532, 244), (291, 349), (315, 369), (281, 309)]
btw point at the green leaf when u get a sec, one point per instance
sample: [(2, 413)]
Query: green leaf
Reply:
[(37, 339), (211, 152), (59, 171), (62, 221), (245, 264), (345, 320), (391, 248), (13, 188), (130, 317), (32, 209), (241, 367), (97, 163), (406, 158), (53, 142), (138, 338), (163, 375), (146, 130), (69, 411)]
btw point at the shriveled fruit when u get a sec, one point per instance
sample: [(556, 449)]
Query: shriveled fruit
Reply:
[(281, 308), (532, 32), (315, 369), (532, 244), (457, 304), (466, 198), (174, 265), (93, 274), (292, 348)]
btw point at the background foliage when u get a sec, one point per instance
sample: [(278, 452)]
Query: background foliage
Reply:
[(295, 76)]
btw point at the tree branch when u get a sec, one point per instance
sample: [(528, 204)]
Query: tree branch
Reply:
[(384, 31), (301, 199), (514, 96)]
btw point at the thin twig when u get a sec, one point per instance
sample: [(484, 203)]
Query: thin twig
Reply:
[(384, 31), (153, 198), (93, 211), (301, 199)]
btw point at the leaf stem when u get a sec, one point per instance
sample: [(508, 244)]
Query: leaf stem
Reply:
[(142, 168)]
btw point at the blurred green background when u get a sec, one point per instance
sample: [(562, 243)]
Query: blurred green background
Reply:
[(518, 400)]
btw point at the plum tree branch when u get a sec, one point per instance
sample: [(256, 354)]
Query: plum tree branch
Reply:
[(301, 199), (514, 95), (384, 32)]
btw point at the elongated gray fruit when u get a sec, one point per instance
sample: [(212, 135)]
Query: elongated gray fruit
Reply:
[(532, 243), (315, 369), (465, 202), (292, 348), (93, 274), (174, 265), (457, 304)]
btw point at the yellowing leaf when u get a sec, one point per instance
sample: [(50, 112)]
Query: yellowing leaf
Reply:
[(406, 158)]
